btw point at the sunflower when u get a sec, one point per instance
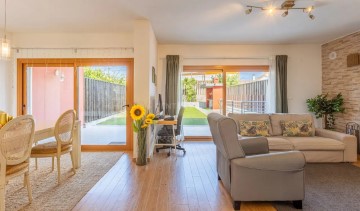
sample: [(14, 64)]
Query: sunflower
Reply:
[(144, 126), (137, 112), (148, 121), (150, 116)]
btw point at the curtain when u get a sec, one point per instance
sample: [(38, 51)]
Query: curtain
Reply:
[(172, 84), (281, 84)]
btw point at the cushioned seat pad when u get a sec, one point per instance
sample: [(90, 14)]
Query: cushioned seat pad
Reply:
[(48, 148), (11, 169), (316, 143), (278, 143)]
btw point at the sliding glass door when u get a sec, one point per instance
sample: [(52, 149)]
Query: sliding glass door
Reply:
[(221, 89), (247, 92), (202, 94), (100, 90), (102, 104), (50, 92)]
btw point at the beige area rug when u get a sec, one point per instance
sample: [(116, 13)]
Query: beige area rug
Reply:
[(47, 195)]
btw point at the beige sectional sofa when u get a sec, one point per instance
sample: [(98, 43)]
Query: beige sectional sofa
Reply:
[(324, 146)]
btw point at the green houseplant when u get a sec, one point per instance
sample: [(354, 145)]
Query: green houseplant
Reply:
[(324, 107)]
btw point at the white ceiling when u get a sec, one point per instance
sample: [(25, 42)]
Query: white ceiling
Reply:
[(187, 21)]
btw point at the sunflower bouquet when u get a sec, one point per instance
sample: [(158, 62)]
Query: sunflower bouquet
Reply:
[(141, 121)]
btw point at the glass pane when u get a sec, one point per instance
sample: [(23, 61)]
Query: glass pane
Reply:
[(201, 94), (50, 92), (102, 100), (247, 92)]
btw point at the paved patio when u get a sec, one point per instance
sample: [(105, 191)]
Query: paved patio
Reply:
[(103, 135), (196, 130)]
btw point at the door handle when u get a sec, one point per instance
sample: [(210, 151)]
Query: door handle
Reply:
[(127, 105)]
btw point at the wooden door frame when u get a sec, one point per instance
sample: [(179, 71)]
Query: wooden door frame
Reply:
[(75, 63), (222, 69)]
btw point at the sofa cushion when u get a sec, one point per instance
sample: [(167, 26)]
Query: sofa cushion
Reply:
[(297, 128), (278, 143), (254, 128), (250, 117), (275, 120), (315, 143)]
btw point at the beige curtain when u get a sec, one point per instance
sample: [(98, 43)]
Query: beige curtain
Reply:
[(172, 84)]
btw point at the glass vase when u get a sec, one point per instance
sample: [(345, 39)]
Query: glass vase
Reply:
[(141, 142)]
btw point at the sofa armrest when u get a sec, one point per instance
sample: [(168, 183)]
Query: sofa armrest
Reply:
[(279, 161), (254, 145), (350, 142)]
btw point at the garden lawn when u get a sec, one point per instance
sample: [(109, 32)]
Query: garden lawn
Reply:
[(192, 116), (117, 120), (114, 121)]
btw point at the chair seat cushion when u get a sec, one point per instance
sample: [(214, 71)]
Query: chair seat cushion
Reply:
[(12, 169), (316, 143), (278, 143), (48, 148)]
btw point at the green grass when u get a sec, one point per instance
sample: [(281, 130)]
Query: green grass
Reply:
[(192, 116), (117, 120), (192, 112), (114, 121), (195, 121)]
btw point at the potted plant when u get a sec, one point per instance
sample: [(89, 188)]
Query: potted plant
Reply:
[(324, 107), (141, 121)]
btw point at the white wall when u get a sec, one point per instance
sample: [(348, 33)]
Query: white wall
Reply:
[(304, 64), (5, 86), (6, 83), (145, 57), (66, 40)]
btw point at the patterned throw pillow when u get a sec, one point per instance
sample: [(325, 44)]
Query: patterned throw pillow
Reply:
[(297, 128), (254, 128)]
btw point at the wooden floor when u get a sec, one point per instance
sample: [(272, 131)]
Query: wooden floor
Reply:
[(167, 183)]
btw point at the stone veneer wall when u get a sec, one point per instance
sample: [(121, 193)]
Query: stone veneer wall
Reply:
[(337, 77)]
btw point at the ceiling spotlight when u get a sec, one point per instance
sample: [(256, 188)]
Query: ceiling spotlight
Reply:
[(311, 16), (285, 13), (248, 11), (309, 9), (270, 11)]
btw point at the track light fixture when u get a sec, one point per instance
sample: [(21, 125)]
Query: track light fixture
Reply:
[(285, 13), (285, 6), (248, 11), (311, 16)]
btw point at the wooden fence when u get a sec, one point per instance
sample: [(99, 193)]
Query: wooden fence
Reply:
[(252, 91), (103, 99)]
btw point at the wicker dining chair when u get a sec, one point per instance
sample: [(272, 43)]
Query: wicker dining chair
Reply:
[(16, 139), (63, 132)]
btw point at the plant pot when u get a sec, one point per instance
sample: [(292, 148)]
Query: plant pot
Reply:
[(329, 121), (141, 149)]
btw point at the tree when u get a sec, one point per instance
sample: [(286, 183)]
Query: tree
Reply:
[(100, 75), (231, 79), (190, 92)]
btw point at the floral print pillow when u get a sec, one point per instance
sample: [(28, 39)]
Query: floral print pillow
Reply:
[(254, 128), (301, 128)]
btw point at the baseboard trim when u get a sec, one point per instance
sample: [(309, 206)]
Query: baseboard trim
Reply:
[(198, 138)]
